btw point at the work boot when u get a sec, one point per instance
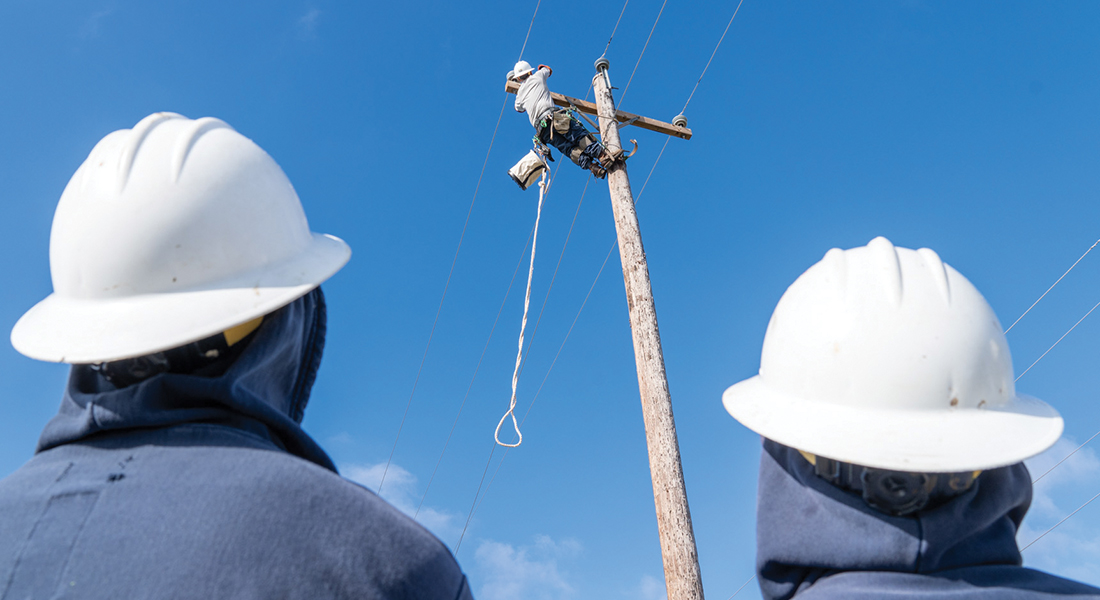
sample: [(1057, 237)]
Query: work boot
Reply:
[(597, 170), (611, 156)]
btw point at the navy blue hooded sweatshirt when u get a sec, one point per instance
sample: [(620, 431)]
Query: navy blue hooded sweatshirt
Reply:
[(818, 542), (190, 486)]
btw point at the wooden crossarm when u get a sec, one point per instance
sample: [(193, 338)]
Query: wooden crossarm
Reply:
[(623, 117)]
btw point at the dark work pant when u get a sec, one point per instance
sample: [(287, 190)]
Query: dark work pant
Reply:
[(577, 143)]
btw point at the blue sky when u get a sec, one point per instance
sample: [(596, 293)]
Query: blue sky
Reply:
[(970, 128)]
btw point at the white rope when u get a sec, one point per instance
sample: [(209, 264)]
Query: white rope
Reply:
[(1052, 286), (523, 325)]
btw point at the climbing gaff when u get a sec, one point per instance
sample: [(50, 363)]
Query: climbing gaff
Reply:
[(527, 170)]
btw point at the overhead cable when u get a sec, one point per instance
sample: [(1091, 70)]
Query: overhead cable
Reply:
[(615, 29), (1036, 480), (1052, 286), (712, 56), (639, 61), (743, 586), (1060, 522), (537, 4), (1059, 340), (446, 286)]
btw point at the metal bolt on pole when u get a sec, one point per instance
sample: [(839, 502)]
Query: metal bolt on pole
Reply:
[(678, 551)]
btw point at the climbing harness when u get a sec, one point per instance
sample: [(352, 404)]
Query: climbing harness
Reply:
[(523, 326)]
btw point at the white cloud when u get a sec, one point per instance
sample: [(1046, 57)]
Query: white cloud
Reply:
[(400, 490), (507, 572), (651, 588), (307, 24), (90, 28), (1073, 549), (340, 439)]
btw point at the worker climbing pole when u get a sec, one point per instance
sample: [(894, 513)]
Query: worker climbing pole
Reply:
[(678, 551), (557, 127)]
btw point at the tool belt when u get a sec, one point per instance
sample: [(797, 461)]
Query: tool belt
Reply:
[(559, 121)]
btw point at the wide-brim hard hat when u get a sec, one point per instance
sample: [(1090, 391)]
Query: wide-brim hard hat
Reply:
[(888, 358), (169, 233)]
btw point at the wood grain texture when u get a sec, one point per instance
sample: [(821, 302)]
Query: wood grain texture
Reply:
[(678, 551)]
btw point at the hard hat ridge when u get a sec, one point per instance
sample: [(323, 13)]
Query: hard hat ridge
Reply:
[(885, 257), (133, 141)]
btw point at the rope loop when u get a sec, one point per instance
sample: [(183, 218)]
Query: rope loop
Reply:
[(523, 326)]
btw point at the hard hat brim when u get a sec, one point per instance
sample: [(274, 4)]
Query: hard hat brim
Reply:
[(83, 331), (923, 441)]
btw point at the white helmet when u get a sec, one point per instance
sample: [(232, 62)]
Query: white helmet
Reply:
[(171, 232), (887, 357), (522, 68)]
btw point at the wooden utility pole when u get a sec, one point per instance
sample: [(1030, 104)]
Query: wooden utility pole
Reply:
[(681, 560), (678, 552)]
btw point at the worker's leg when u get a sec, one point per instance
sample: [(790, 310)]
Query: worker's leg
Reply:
[(571, 138)]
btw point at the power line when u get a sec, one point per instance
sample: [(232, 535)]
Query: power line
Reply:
[(529, 30), (1066, 458), (446, 286), (470, 516), (743, 586), (711, 57), (639, 61), (615, 29), (1052, 286), (1060, 522), (1059, 340)]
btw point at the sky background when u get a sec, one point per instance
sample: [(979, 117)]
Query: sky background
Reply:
[(969, 128)]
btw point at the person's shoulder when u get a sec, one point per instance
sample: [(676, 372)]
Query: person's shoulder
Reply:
[(279, 500), (351, 507), (992, 582)]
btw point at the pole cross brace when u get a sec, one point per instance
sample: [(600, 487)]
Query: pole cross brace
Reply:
[(623, 117)]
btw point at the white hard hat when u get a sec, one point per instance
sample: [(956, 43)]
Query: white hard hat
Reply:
[(522, 68), (888, 358), (171, 232)]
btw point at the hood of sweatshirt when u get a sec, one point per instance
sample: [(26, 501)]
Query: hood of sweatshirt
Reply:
[(808, 529), (264, 391)]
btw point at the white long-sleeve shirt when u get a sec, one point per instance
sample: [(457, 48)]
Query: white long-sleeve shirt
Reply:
[(533, 96)]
